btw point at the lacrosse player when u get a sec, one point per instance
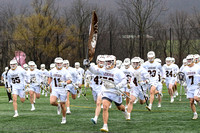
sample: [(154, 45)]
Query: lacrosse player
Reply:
[(80, 71), (58, 78), (26, 85), (4, 79), (140, 78), (97, 87), (44, 78), (192, 75), (35, 81), (160, 85), (181, 70), (72, 87), (118, 64), (114, 80), (128, 72), (16, 79), (170, 79), (152, 67), (175, 72), (197, 59)]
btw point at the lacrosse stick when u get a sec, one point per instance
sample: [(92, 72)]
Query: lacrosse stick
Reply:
[(181, 77), (76, 87), (111, 84), (137, 75)]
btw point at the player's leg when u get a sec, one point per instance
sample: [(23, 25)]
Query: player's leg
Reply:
[(152, 93), (106, 103), (31, 93), (15, 105), (171, 93), (193, 108), (68, 112), (130, 106)]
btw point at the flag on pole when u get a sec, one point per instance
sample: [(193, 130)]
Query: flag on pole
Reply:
[(20, 56), (92, 36)]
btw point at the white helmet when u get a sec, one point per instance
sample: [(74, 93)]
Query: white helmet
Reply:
[(66, 63), (158, 60), (42, 66), (59, 62), (25, 66), (150, 56), (118, 64), (100, 60), (190, 59), (13, 64), (127, 61), (110, 61), (173, 60), (6, 68), (52, 66), (168, 60), (141, 61), (184, 62), (31, 65), (92, 64), (135, 62), (77, 65)]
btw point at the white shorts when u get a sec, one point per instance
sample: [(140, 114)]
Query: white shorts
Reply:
[(117, 98), (153, 84), (159, 87), (95, 94), (36, 89), (197, 92), (60, 94), (137, 92), (191, 91), (170, 81), (71, 89), (19, 92)]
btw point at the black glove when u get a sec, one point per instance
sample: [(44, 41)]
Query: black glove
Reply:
[(86, 63)]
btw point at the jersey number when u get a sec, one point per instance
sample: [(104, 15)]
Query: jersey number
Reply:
[(15, 80), (192, 79), (56, 81), (152, 73), (96, 79), (168, 73)]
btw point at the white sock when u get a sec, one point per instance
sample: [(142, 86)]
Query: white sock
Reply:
[(195, 113), (150, 105), (32, 105), (64, 118), (26, 95), (96, 117), (16, 112), (105, 125), (68, 109), (58, 104)]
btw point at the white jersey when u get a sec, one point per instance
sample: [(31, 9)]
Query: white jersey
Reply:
[(74, 74), (198, 63), (144, 75), (44, 75), (59, 76), (192, 75), (35, 77), (17, 77), (115, 75), (181, 68), (96, 82), (128, 72), (152, 69), (170, 71), (80, 72)]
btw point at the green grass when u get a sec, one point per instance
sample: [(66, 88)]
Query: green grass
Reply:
[(174, 117)]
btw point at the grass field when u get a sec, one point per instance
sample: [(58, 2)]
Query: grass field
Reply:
[(169, 118)]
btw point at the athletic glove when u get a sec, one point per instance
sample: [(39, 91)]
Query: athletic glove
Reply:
[(86, 63)]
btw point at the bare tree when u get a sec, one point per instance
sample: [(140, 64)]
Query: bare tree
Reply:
[(180, 25), (143, 14)]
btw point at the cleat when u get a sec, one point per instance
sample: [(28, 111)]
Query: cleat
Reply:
[(110, 106), (172, 100), (102, 106), (195, 117), (68, 112), (26, 98), (10, 101), (16, 115), (149, 108), (159, 105), (135, 101), (160, 93), (63, 121), (93, 121), (104, 129), (59, 110), (156, 95), (176, 93), (128, 116), (33, 108), (195, 102), (46, 94), (42, 93), (34, 102)]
